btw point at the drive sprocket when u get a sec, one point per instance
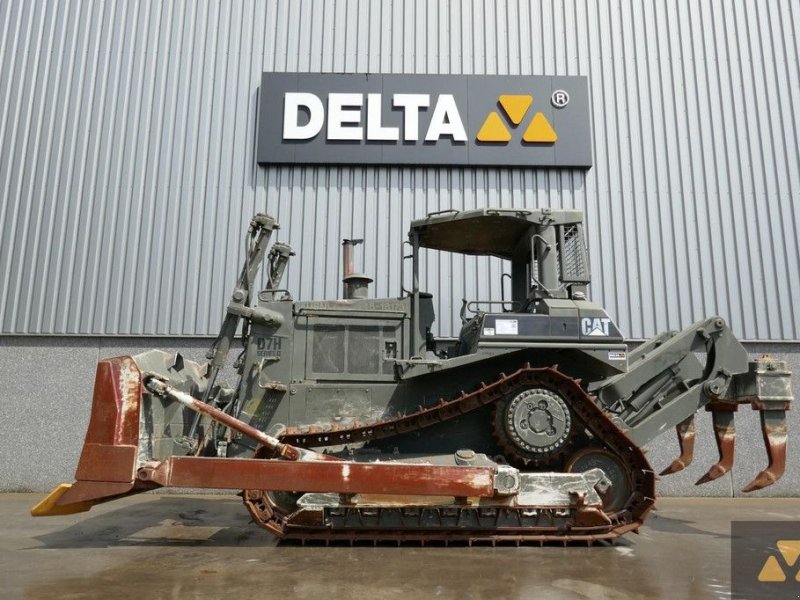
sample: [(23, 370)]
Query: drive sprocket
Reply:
[(534, 426)]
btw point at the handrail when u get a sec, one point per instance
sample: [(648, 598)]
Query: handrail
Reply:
[(350, 312), (442, 212), (503, 289), (403, 266), (275, 290), (513, 303), (517, 211)]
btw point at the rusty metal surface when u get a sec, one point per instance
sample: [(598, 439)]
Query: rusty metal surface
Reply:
[(102, 462), (722, 417), (553, 490), (329, 476), (104, 468), (686, 435), (115, 405), (774, 430), (107, 465)]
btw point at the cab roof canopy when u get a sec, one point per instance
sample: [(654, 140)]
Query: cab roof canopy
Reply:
[(487, 231)]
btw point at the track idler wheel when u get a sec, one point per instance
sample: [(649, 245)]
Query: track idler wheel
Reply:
[(615, 498)]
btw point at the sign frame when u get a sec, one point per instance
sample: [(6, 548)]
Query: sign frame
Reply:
[(475, 98)]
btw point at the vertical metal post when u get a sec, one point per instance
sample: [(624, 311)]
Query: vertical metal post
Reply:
[(546, 253), (415, 294), (347, 264), (520, 280)]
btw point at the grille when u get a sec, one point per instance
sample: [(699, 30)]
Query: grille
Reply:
[(574, 262)]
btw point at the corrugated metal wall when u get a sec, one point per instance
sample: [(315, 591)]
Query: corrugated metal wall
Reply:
[(127, 161)]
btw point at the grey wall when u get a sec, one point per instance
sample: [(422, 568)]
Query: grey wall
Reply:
[(127, 169), (46, 393)]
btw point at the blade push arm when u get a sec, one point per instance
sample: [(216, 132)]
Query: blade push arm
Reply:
[(261, 228), (258, 236)]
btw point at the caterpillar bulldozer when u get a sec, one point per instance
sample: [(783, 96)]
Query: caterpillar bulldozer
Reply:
[(352, 421)]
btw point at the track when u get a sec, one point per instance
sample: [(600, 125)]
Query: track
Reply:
[(464, 523)]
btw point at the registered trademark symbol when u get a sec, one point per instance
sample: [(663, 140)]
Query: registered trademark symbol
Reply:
[(559, 99)]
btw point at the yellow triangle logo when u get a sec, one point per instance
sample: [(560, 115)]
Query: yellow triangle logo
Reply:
[(540, 131), (515, 106), (771, 571), (493, 130), (790, 549)]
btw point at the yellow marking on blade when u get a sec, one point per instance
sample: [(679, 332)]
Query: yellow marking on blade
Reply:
[(49, 506)]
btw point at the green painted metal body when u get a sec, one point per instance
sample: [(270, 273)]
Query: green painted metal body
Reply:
[(342, 362)]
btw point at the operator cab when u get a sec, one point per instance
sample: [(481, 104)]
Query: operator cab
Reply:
[(545, 246), (549, 276)]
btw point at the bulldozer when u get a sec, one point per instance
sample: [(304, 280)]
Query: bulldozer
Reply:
[(351, 421)]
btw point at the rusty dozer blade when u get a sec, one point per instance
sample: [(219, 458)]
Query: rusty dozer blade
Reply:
[(107, 465), (725, 434), (686, 434), (114, 463)]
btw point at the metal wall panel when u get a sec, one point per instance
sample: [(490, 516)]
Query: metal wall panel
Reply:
[(127, 167)]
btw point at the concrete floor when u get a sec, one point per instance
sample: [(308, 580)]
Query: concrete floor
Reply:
[(170, 546)]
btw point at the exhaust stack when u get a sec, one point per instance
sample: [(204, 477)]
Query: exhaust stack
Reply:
[(355, 286)]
